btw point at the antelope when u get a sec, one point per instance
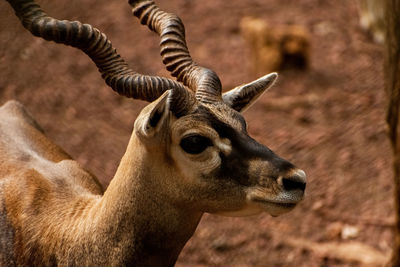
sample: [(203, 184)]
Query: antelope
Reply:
[(189, 154)]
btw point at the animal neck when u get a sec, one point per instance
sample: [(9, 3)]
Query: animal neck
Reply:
[(136, 208)]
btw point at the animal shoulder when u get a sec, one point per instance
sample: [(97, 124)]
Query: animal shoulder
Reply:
[(27, 152)]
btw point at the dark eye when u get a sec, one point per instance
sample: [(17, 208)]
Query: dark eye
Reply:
[(195, 144)]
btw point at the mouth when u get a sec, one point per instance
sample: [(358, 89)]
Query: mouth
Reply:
[(275, 208), (277, 204)]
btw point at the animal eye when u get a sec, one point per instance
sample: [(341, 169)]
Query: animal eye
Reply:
[(195, 144)]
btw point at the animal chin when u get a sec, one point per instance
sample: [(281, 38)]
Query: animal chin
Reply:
[(275, 208)]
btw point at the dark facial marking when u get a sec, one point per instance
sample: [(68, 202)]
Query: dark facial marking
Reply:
[(244, 148)]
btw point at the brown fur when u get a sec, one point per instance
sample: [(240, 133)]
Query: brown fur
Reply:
[(58, 216), (188, 154), (54, 213)]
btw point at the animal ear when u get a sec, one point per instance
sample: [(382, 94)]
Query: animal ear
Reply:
[(157, 114), (242, 97)]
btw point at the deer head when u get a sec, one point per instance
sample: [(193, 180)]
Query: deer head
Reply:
[(189, 153), (218, 166), (196, 133)]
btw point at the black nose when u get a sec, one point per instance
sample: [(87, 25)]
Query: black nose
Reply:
[(296, 181)]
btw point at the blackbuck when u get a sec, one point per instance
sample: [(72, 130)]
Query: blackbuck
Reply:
[(189, 154)]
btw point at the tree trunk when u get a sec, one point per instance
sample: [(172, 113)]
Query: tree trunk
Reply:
[(392, 77)]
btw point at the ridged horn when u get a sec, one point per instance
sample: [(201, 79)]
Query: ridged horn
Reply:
[(95, 44), (174, 51)]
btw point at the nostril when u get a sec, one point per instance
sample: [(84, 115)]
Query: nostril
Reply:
[(293, 183)]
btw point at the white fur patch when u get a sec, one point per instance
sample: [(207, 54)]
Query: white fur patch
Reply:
[(224, 145)]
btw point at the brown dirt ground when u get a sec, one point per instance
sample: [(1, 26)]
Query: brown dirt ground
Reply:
[(333, 126)]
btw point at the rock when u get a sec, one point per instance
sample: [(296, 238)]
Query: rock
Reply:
[(275, 47), (349, 232), (334, 230)]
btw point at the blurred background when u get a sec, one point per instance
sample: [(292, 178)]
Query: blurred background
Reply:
[(326, 114)]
